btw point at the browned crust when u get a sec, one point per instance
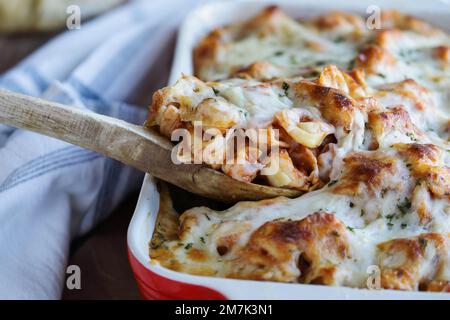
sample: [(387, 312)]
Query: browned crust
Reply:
[(335, 106), (442, 53), (373, 57), (436, 178), (366, 172), (319, 238), (423, 160), (267, 21), (394, 119), (259, 70), (419, 153), (393, 19), (412, 253), (411, 90), (206, 50), (336, 19), (438, 286)]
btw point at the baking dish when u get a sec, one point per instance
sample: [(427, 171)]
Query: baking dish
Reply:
[(157, 282)]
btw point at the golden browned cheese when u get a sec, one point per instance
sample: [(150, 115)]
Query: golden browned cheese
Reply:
[(367, 173), (340, 20), (407, 264), (396, 120), (424, 164), (335, 106), (437, 179), (206, 50), (409, 89), (166, 230), (419, 154), (392, 19), (351, 84), (442, 53), (438, 286), (374, 58), (315, 245), (261, 70), (270, 20)]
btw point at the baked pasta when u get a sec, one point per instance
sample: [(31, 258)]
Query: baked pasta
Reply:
[(363, 126)]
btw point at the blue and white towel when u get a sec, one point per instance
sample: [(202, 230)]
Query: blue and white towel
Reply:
[(50, 191)]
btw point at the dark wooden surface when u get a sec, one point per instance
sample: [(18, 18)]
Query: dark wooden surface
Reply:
[(102, 254), (102, 257), (14, 48)]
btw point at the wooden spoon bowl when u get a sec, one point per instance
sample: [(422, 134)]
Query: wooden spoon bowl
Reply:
[(133, 145)]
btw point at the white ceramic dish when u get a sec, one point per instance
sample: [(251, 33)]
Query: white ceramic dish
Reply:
[(197, 25)]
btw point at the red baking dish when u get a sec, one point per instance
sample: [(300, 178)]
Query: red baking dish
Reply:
[(150, 282), (157, 282)]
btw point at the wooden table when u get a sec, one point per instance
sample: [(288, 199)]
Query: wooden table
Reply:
[(102, 254), (102, 257)]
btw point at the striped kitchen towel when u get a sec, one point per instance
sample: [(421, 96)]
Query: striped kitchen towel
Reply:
[(50, 191)]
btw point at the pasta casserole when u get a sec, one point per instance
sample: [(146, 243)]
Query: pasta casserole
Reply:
[(362, 127)]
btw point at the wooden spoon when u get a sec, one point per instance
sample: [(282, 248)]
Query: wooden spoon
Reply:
[(133, 145)]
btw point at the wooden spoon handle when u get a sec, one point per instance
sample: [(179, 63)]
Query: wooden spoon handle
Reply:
[(109, 136)]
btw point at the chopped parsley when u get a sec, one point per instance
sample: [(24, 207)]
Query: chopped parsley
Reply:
[(216, 91), (278, 53), (390, 217), (404, 206), (188, 246), (207, 217), (244, 112), (412, 136), (158, 240), (285, 87), (332, 183), (351, 204), (351, 229), (160, 236), (403, 225), (202, 240), (362, 213)]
